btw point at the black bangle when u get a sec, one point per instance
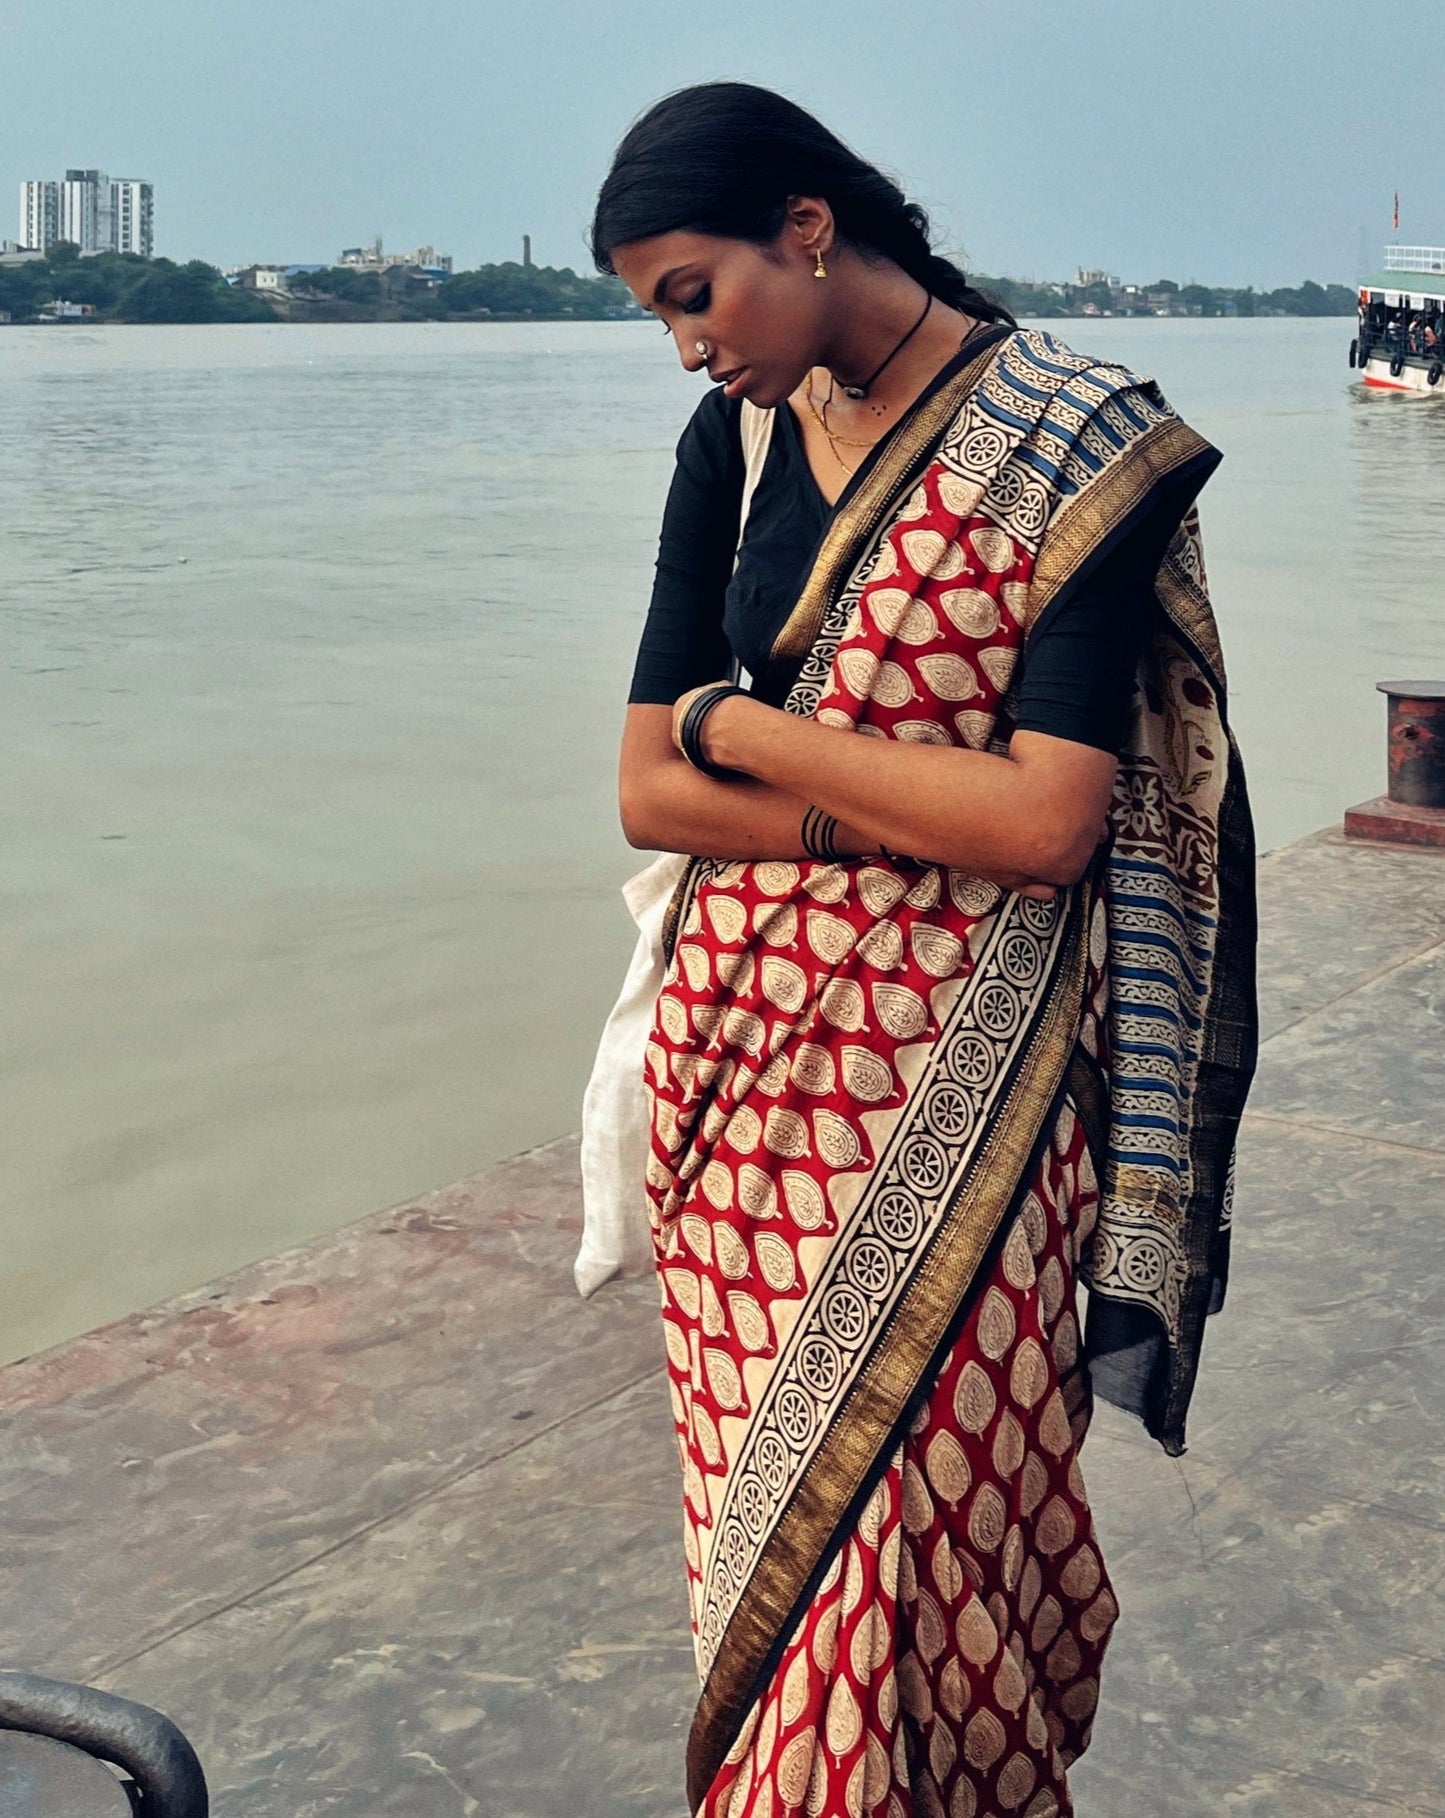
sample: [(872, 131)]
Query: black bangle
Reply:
[(689, 733), (819, 835)]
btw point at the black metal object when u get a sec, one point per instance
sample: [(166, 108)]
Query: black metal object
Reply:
[(40, 1778), (1416, 742), (168, 1782)]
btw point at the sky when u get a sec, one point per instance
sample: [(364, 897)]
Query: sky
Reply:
[(1221, 141)]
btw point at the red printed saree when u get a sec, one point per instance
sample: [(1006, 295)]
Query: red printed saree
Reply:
[(887, 1138)]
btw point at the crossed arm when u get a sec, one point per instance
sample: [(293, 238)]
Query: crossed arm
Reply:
[(1030, 818)]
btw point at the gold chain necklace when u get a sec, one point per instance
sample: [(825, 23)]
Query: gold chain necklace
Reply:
[(835, 441), (821, 421)]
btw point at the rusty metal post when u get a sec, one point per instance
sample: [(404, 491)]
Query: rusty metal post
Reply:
[(1412, 812)]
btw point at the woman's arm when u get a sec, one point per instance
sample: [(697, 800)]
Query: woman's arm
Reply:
[(1036, 813), (669, 806)]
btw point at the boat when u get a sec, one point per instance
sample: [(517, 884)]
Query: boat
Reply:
[(1400, 342)]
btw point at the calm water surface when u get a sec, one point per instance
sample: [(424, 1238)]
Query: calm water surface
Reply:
[(316, 643)]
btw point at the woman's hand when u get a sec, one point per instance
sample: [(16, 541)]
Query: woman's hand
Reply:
[(667, 805), (1034, 816)]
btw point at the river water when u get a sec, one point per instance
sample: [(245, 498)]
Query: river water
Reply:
[(316, 643)]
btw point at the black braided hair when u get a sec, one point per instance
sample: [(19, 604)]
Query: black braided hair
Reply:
[(724, 158)]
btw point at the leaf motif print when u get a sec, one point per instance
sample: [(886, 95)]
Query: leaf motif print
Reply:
[(882, 946), (888, 606), (950, 677), (683, 1287), (776, 877), (974, 728), (785, 1133), (795, 1689), (728, 917), (830, 937), (938, 952), (843, 1005), (697, 1235), (713, 1320), (826, 883), (878, 889), (695, 965), (775, 1260), (971, 611), (756, 1191), (866, 1076), (837, 1144), (902, 1012), (918, 625), (892, 687), (997, 663), (723, 1378), (959, 496), (993, 548), (844, 1727), (732, 1253), (784, 984), (859, 670), (749, 1321), (931, 554), (813, 1069), (804, 1198)]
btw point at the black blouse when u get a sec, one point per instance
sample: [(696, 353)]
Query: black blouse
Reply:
[(1079, 672)]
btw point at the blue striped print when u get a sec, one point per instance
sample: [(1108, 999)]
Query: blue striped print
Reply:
[(1160, 1013), (1148, 1157), (1192, 918), (1168, 1087), (1146, 1050), (1147, 937)]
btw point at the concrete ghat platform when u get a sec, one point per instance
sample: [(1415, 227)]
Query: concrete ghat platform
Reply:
[(390, 1524)]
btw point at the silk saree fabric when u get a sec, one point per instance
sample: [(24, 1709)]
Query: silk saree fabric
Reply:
[(896, 1111)]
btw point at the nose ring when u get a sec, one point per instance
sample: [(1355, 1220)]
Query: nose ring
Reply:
[(701, 347)]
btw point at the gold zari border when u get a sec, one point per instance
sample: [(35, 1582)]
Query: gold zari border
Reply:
[(1187, 606), (1082, 523)]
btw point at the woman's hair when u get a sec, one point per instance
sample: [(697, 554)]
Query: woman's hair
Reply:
[(724, 158)]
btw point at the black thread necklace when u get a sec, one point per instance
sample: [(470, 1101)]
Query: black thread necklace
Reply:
[(861, 390)]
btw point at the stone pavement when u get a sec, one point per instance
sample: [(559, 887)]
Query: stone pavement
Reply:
[(390, 1524)]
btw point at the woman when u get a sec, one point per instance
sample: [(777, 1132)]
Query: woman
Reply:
[(959, 998)]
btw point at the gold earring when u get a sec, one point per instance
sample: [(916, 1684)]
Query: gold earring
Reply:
[(820, 270)]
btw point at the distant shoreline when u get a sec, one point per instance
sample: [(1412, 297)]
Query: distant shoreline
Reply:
[(472, 321), (331, 321), (126, 288)]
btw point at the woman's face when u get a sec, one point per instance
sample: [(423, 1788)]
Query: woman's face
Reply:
[(756, 308)]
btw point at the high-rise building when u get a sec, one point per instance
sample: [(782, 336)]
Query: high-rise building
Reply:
[(91, 211), (85, 213), (133, 212), (39, 215)]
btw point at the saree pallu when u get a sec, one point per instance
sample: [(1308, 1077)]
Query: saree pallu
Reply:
[(889, 1131)]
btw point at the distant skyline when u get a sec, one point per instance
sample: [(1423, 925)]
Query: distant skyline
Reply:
[(1224, 141)]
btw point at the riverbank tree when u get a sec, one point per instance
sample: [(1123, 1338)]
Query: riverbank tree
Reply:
[(511, 289), (1025, 297), (124, 287)]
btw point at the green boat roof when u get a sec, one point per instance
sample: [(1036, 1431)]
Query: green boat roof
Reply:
[(1413, 283)]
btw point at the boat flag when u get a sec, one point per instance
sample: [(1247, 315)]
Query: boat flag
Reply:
[(1397, 211)]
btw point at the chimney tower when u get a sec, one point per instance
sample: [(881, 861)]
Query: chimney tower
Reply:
[(527, 251)]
